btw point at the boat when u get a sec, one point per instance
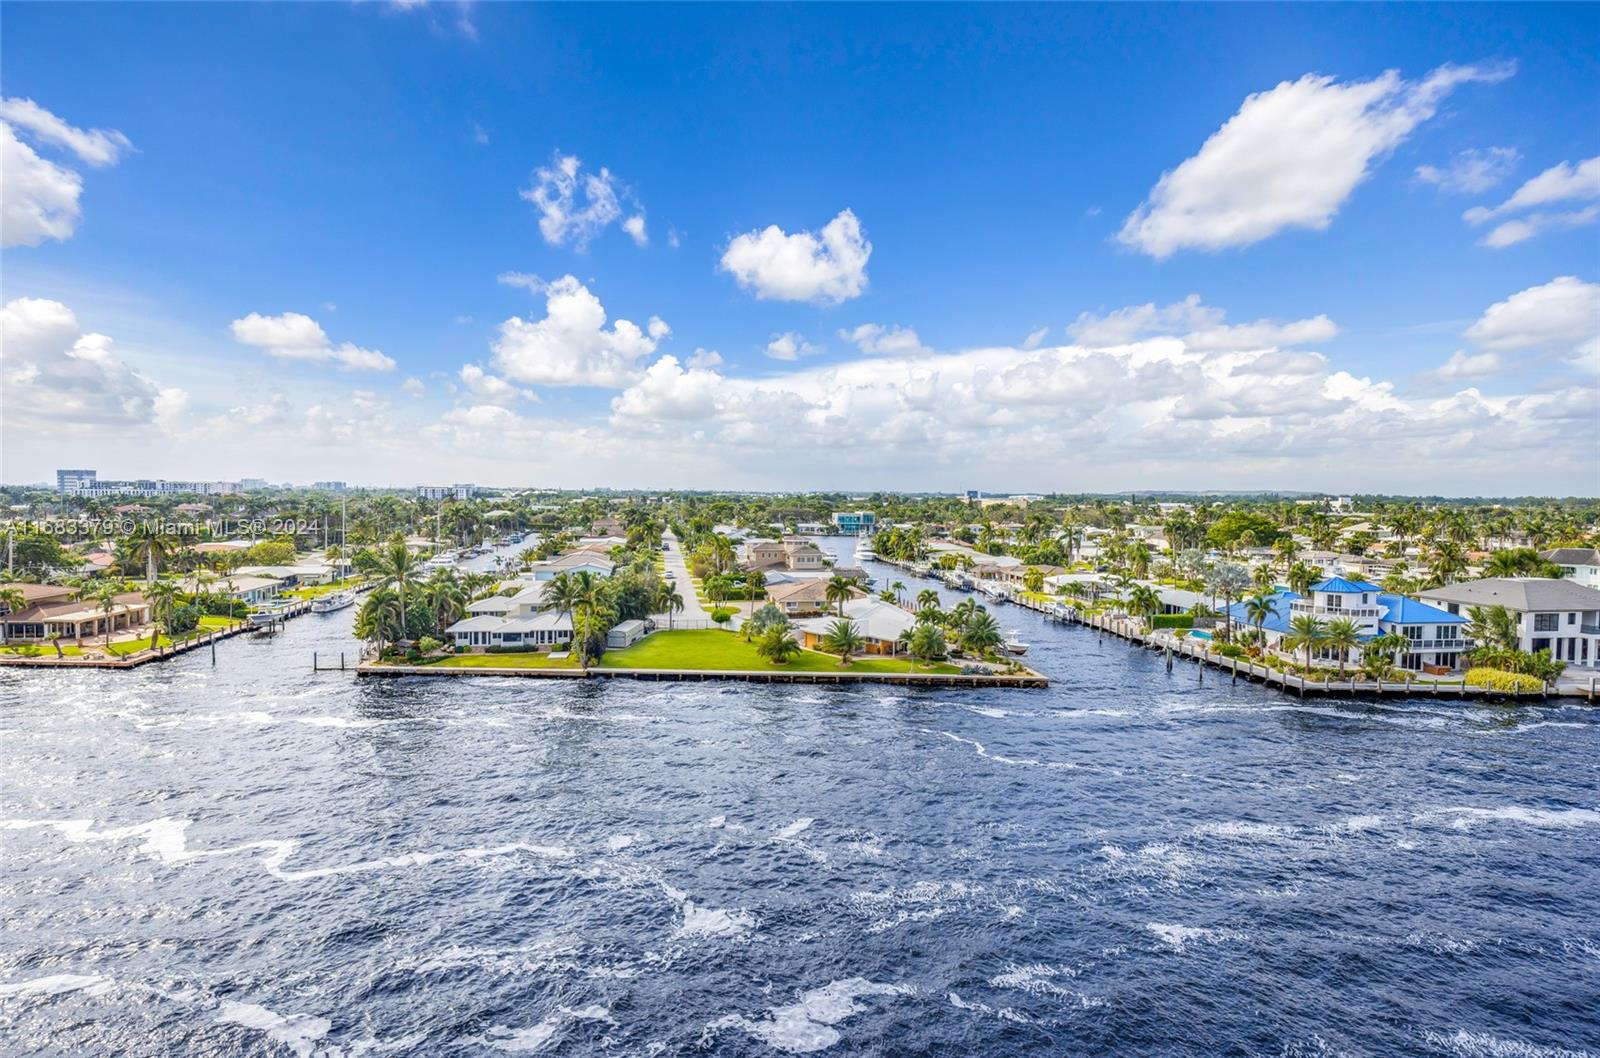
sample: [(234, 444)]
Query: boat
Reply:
[(1013, 644), (864, 552), (337, 600)]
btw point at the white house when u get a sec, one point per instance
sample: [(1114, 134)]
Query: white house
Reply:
[(511, 620), (1556, 615), (1435, 636), (1581, 565), (576, 562), (879, 623)]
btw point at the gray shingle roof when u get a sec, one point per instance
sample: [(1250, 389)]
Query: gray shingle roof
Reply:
[(1519, 593), (1572, 556)]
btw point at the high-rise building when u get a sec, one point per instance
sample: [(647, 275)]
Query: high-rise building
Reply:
[(445, 492), (73, 480)]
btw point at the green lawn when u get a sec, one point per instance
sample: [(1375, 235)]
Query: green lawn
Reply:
[(693, 651), (39, 650)]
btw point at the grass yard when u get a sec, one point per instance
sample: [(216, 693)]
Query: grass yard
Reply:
[(691, 651), (698, 650)]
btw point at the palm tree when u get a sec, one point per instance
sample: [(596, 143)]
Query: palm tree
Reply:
[(446, 596), (899, 589), (394, 563), (560, 595), (843, 639), (1301, 576), (54, 639), (981, 634), (1305, 632), (381, 618), (106, 596), (1343, 635), (1260, 609), (1228, 579), (926, 643), (839, 591), (778, 645), (163, 597), (151, 544), (1144, 602), (755, 583), (11, 600), (671, 601), (926, 598)]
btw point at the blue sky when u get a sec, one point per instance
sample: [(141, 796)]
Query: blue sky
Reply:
[(373, 169)]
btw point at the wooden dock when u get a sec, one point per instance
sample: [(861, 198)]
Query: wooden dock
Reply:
[(900, 679), (132, 661)]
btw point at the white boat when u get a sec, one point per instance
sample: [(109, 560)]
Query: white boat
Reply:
[(336, 600), (1013, 644), (864, 553)]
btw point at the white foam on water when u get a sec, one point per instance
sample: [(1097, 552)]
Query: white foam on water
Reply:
[(989, 711), (518, 1041), (1466, 817), (1242, 830), (983, 752), (1035, 978), (716, 822), (713, 922), (1076, 714), (1358, 824), (57, 984), (1466, 1044), (298, 1032), (1180, 937), (164, 841), (618, 842), (1004, 1013), (795, 828), (808, 1023)]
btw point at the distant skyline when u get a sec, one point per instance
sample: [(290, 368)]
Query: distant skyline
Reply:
[(908, 248)]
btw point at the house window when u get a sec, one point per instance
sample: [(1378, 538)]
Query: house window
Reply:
[(1572, 618), (1335, 602), (1546, 622), (1447, 633)]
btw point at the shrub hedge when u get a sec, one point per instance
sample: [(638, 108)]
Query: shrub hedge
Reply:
[(1172, 620), (1496, 680)]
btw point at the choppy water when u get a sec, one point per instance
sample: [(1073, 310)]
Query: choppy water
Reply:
[(249, 859)]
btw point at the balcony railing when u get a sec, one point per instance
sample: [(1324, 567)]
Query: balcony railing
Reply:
[(1354, 612), (1590, 630)]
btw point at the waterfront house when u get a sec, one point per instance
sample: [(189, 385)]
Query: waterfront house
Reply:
[(573, 562), (512, 619), (1556, 615), (1436, 638), (50, 610), (241, 587), (1581, 565), (854, 523), (790, 553), (879, 623), (800, 596)]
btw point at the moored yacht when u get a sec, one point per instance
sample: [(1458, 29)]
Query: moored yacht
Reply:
[(1013, 644), (336, 600)]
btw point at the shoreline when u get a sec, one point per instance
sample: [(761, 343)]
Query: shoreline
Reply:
[(1032, 681)]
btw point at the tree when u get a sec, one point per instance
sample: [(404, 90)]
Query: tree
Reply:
[(1301, 576), (777, 645), (54, 639), (1343, 635), (394, 563), (1033, 579), (980, 634), (671, 601), (839, 591), (106, 596), (926, 598), (446, 597), (381, 620), (1229, 580), (1261, 608), (152, 545), (926, 643), (1144, 602), (1305, 633), (11, 600), (1493, 628), (756, 583), (843, 639), (163, 599)]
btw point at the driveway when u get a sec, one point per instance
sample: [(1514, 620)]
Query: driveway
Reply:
[(681, 579)]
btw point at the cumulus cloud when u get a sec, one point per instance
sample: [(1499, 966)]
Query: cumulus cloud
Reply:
[(825, 267), (575, 207), (1035, 338), (876, 339), (56, 377), (1200, 325), (41, 196), (1463, 365), (790, 346), (484, 388), (1559, 183), (571, 345), (1472, 171), (1561, 316), (1289, 158), (296, 336)]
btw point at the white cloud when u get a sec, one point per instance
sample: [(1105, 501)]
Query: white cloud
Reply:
[(1561, 316), (790, 345), (1472, 171), (705, 358), (296, 336), (877, 339), (41, 197), (484, 388), (1462, 365), (1200, 325), (827, 267), (634, 226), (571, 345), (575, 206), (56, 378), (1289, 158), (480, 135), (1559, 183), (1511, 232), (524, 280), (1035, 338)]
